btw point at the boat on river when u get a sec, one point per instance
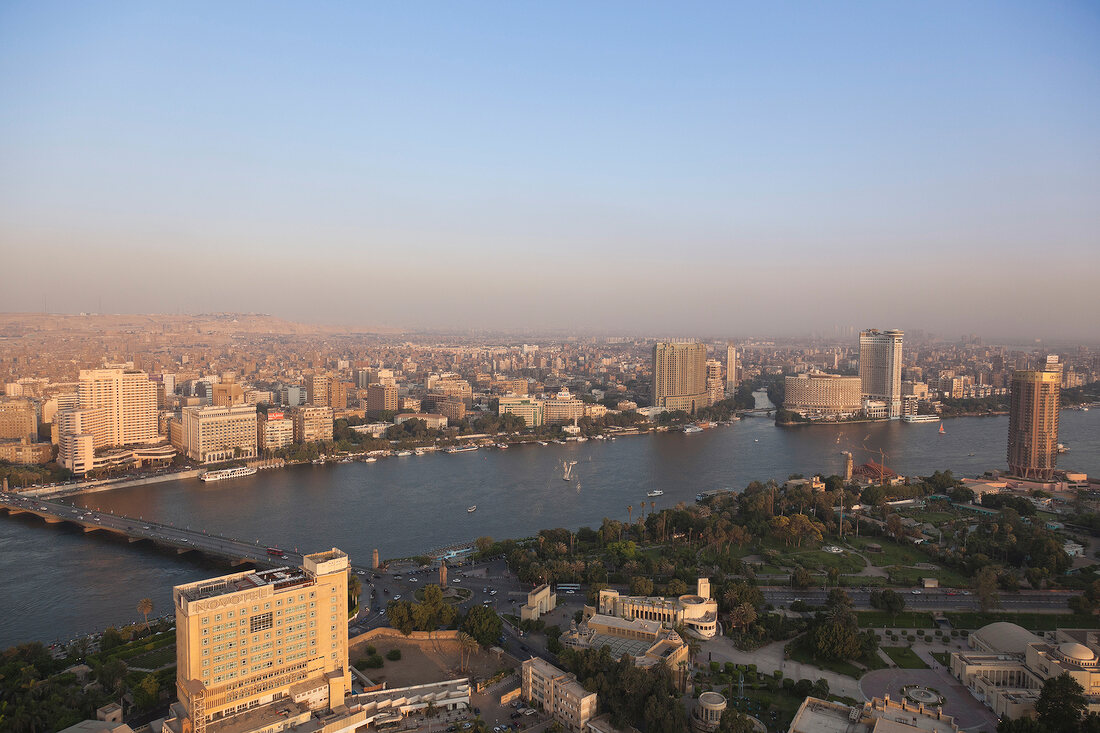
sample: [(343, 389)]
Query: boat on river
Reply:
[(227, 473), (471, 509)]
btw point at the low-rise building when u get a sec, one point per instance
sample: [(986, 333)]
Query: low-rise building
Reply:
[(880, 715), (697, 612), (647, 642), (539, 601), (24, 452), (558, 694), (433, 420)]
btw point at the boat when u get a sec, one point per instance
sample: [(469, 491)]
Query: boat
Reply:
[(461, 448), (942, 431), (502, 446), (582, 439), (920, 418), (567, 468), (692, 429), (403, 453), (369, 459), (319, 461), (227, 473), (543, 442), (471, 509), (655, 492), (1062, 448)]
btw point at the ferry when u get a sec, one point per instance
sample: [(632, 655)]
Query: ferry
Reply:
[(692, 429), (462, 449), (656, 492), (920, 418), (471, 509), (225, 473)]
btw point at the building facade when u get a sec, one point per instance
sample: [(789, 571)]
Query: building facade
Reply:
[(1033, 422), (248, 640), (715, 388), (680, 376), (381, 398), (274, 431), (312, 424), (562, 408), (559, 694), (880, 368), (128, 400), (18, 420), (212, 434), (697, 612), (731, 370), (820, 395), (529, 408)]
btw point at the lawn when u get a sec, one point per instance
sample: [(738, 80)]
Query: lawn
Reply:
[(904, 657), (943, 658), (892, 553), (799, 652), (903, 620), (762, 703), (932, 517), (911, 577), (155, 659), (847, 562), (1030, 621)]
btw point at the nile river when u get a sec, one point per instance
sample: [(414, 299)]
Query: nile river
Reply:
[(59, 582)]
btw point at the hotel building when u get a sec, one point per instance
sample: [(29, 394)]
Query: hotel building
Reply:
[(128, 400), (212, 434), (529, 408), (880, 368), (559, 694), (820, 395), (680, 376), (253, 644), (1033, 421), (562, 408)]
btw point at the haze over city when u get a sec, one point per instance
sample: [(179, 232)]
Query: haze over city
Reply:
[(700, 168)]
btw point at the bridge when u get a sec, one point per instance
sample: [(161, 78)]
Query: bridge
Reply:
[(180, 539)]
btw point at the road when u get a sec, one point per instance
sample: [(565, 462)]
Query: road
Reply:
[(930, 599)]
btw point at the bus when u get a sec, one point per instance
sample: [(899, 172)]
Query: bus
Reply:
[(568, 588), (275, 552)]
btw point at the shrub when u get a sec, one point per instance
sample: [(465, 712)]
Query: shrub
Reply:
[(371, 649), (372, 662), (393, 655)]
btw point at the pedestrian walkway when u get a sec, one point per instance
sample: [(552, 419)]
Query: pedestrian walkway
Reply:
[(772, 657)]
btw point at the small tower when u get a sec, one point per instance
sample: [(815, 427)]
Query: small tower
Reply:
[(374, 559), (703, 587), (848, 466), (443, 574)]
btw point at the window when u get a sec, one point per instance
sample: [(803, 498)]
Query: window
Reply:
[(259, 622)]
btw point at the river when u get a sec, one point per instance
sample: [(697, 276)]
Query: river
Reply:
[(59, 582)]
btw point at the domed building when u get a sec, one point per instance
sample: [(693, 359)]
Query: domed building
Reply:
[(1009, 664), (697, 612)]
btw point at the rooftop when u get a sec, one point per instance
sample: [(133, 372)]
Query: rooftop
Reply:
[(279, 578)]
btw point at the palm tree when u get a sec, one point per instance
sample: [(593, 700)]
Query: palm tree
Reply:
[(145, 607), (629, 513), (467, 645)]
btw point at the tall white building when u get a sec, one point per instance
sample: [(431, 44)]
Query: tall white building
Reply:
[(880, 368), (129, 402), (731, 370)]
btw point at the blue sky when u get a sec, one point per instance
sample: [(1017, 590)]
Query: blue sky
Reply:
[(640, 167)]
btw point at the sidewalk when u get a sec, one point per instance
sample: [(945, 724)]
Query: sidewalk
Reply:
[(770, 658)]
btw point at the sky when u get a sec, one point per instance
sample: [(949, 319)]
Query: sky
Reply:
[(697, 168)]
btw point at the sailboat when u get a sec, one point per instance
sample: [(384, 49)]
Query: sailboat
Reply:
[(942, 431)]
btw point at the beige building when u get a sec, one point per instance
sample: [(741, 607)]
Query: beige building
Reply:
[(18, 420), (880, 368), (381, 398), (212, 434), (1007, 666), (539, 601), (715, 387), (274, 430), (432, 420), (80, 433), (24, 452), (563, 407), (228, 394), (707, 713), (680, 376), (817, 395), (128, 400), (529, 408), (647, 642), (451, 408), (312, 424), (1033, 415), (252, 643), (319, 390), (559, 694), (880, 715), (697, 612)]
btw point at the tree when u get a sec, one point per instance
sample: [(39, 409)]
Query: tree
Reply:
[(355, 587), (483, 544), (1061, 704), (148, 692), (802, 578), (640, 586), (985, 587), (467, 646), (742, 615), (888, 600), (677, 587), (483, 623), (111, 674), (145, 607), (734, 722), (110, 639)]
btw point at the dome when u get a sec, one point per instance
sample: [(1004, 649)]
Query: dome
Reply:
[(1074, 652), (1003, 637)]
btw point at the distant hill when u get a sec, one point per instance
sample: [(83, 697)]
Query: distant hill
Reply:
[(20, 324)]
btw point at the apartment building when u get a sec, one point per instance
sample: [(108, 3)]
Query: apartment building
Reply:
[(18, 420), (274, 430), (212, 434), (252, 646), (312, 424), (680, 376), (529, 408), (227, 394), (381, 398), (559, 694)]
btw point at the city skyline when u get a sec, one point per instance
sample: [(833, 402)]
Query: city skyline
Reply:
[(657, 169)]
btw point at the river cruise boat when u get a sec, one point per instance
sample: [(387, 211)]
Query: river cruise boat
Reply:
[(655, 492), (461, 449), (692, 429), (920, 418), (227, 473)]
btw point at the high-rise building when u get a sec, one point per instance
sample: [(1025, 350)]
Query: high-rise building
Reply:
[(381, 398), (211, 434), (319, 389), (1033, 421), (680, 375), (227, 394), (274, 430), (312, 424), (129, 402), (18, 420), (715, 387), (255, 645), (80, 433), (880, 368), (731, 370), (529, 408)]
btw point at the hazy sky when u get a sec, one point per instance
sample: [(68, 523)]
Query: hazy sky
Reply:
[(704, 168)]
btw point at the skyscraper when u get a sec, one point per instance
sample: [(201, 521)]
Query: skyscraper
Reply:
[(880, 368), (731, 370), (1033, 421), (680, 375), (714, 380), (129, 403)]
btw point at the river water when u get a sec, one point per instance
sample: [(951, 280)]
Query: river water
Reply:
[(59, 582)]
